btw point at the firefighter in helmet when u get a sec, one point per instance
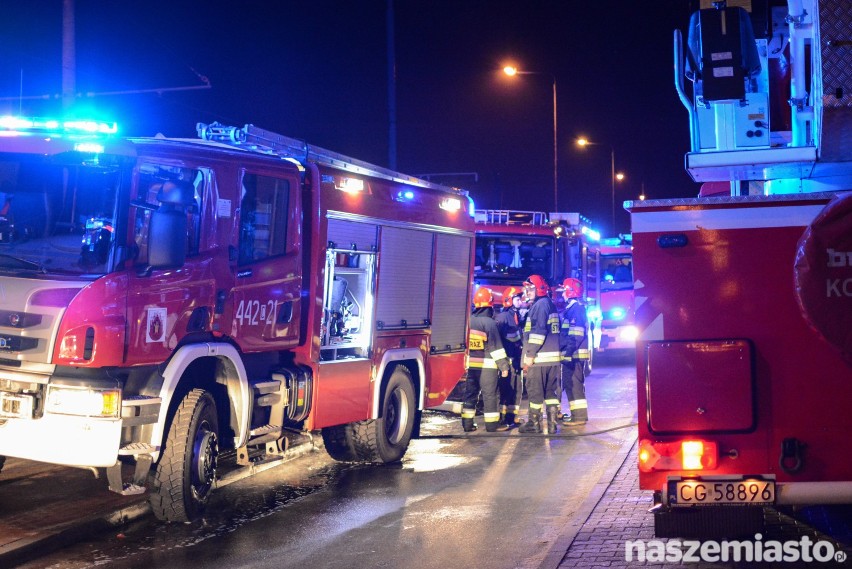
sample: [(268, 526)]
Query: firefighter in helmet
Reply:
[(540, 358), (487, 361), (508, 324), (574, 346)]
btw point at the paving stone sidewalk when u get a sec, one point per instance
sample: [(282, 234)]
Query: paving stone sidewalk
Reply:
[(622, 515)]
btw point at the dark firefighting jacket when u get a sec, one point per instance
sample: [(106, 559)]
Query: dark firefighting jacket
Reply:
[(486, 348), (541, 334), (573, 335), (508, 325)]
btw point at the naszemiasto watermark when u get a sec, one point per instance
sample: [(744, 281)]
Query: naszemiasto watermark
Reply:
[(693, 551)]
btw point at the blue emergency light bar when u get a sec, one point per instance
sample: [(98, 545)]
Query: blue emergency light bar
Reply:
[(29, 125)]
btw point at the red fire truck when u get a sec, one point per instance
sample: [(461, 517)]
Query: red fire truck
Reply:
[(743, 300), (512, 245), (617, 329), (163, 301)]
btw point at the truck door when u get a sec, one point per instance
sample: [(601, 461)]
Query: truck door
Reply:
[(164, 304), (268, 284)]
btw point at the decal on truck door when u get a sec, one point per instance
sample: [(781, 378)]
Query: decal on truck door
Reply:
[(155, 331)]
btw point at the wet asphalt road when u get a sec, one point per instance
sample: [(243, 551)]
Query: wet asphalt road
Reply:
[(454, 501)]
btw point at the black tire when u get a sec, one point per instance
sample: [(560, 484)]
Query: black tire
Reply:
[(340, 443), (186, 472), (386, 439)]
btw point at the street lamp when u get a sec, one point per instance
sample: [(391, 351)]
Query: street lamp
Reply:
[(511, 71), (583, 142)]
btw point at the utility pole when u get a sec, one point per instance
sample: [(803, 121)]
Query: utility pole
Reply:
[(69, 56), (69, 71), (391, 87)]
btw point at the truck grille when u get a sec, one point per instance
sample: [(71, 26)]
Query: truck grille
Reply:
[(28, 332)]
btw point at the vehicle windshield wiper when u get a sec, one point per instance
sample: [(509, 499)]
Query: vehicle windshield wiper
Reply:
[(12, 262)]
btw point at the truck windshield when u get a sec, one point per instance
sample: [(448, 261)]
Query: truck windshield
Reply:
[(512, 256), (57, 214), (616, 272)]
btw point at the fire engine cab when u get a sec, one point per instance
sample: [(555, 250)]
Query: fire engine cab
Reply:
[(166, 301), (743, 299), (512, 245), (615, 268)]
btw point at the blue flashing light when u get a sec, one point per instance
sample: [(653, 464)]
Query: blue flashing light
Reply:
[(591, 234), (405, 195), (93, 127), (54, 126), (593, 313), (89, 147), (617, 313), (470, 207)]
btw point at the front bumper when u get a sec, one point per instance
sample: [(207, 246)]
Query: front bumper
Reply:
[(62, 439)]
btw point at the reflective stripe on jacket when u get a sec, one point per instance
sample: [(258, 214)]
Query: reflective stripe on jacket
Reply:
[(486, 349)]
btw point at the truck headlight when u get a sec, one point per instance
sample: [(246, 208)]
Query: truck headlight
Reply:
[(84, 401)]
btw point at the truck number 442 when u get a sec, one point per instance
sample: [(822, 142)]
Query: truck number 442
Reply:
[(254, 312)]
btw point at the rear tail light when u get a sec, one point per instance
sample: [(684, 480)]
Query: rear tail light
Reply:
[(690, 454)]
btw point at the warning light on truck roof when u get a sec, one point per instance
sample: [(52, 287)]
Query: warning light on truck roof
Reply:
[(451, 204), (350, 185)]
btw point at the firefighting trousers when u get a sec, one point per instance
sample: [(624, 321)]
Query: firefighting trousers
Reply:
[(542, 385), (484, 380), (574, 378), (510, 393)]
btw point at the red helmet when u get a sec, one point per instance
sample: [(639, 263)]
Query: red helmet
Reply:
[(483, 298), (509, 294), (535, 286), (572, 288)]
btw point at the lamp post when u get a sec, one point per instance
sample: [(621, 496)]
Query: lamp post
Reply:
[(613, 176), (511, 71)]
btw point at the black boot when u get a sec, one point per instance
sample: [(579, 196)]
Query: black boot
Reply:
[(468, 425), (552, 411), (578, 418), (533, 424), (495, 427)]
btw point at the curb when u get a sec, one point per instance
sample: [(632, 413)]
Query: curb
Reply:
[(557, 551)]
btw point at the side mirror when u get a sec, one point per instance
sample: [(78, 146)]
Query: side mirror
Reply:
[(166, 239)]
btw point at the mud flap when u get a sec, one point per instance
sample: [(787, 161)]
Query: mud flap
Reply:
[(140, 477), (714, 522)]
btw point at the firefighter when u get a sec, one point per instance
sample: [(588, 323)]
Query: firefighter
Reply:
[(540, 358), (574, 346), (487, 356), (508, 324)]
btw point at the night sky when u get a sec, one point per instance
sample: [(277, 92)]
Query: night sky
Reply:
[(317, 70)]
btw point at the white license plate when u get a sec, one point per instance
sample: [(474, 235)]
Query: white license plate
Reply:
[(17, 406), (697, 492)]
